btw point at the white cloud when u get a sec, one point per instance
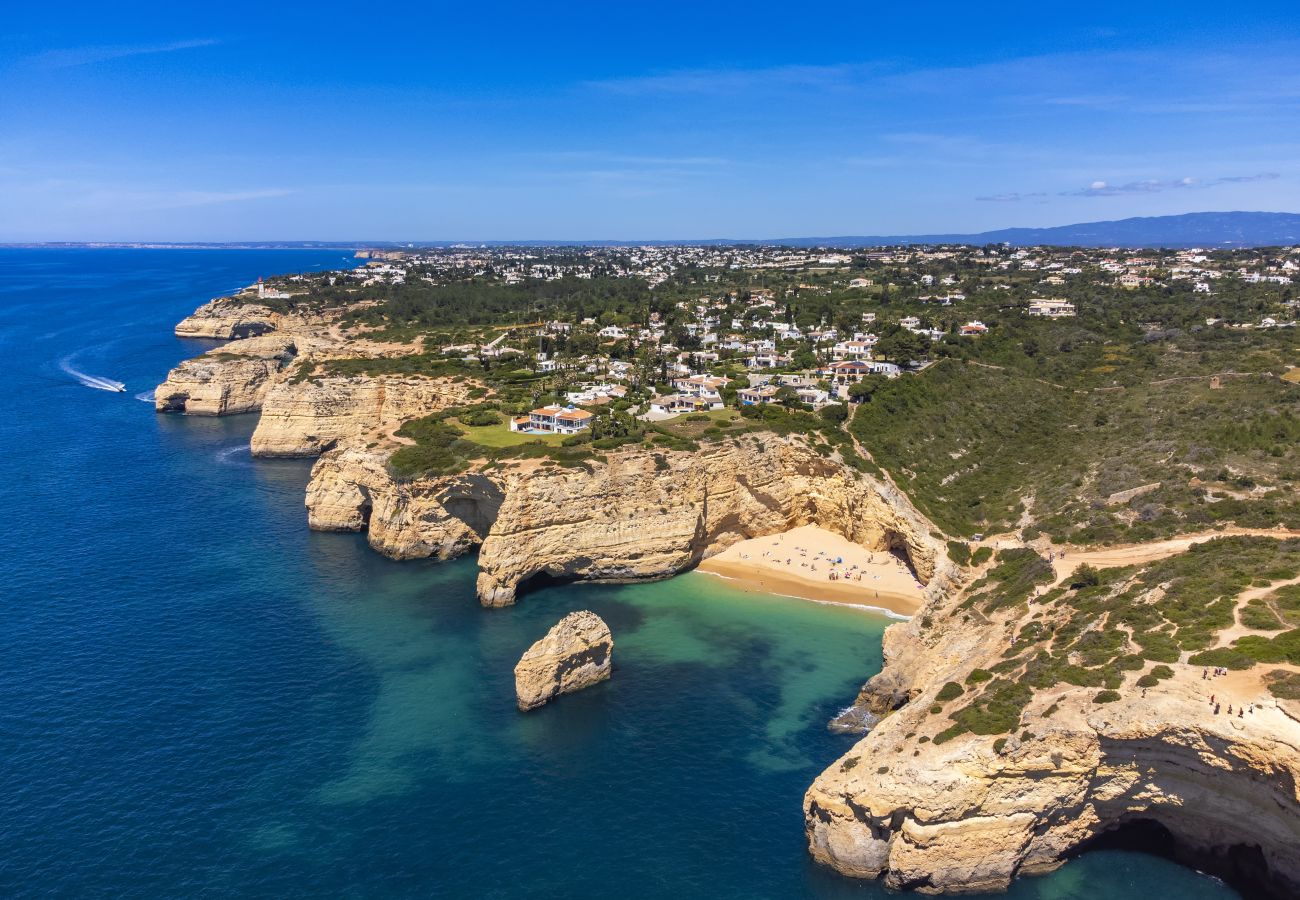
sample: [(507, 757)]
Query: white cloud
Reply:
[(1155, 186), (153, 200), (84, 56)]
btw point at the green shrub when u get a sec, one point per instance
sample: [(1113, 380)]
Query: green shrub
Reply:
[(1106, 697), (1259, 616), (948, 734), (480, 416), (835, 413), (997, 710), (1085, 576), (950, 691), (1283, 684), (1226, 657)]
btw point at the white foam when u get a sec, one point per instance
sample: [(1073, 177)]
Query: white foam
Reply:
[(91, 381), (228, 456)]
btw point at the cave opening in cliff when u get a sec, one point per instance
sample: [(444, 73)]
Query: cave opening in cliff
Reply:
[(1242, 866), (897, 547), (250, 329), (542, 580)]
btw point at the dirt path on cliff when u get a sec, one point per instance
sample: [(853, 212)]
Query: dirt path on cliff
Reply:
[(1228, 635), (1065, 559)]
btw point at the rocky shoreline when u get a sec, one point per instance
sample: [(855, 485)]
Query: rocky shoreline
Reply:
[(972, 812), (961, 815)]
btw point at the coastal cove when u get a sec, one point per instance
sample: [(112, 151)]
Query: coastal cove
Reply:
[(200, 694)]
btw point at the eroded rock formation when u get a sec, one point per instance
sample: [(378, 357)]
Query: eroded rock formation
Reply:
[(351, 490), (639, 515), (575, 654), (970, 813), (225, 319), (231, 379), (306, 417), (636, 518)]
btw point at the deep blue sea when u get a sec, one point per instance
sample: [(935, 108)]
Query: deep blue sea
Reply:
[(198, 696)]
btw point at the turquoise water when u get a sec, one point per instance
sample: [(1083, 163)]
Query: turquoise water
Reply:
[(199, 696)]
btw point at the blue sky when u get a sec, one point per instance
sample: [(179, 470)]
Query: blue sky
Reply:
[(240, 121)]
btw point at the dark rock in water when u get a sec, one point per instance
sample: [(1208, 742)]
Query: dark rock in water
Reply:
[(854, 720)]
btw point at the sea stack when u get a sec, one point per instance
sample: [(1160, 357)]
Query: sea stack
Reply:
[(573, 655)]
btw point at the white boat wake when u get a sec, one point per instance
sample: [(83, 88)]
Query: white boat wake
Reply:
[(146, 396), (91, 381), (238, 455)]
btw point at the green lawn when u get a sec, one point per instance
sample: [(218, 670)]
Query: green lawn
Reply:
[(684, 428), (501, 436)]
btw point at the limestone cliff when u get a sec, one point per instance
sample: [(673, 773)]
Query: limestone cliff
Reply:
[(636, 519), (351, 490), (924, 810), (306, 417), (226, 319), (574, 655), (231, 379), (637, 515)]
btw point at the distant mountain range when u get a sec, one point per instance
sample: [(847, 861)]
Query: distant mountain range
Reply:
[(1203, 229)]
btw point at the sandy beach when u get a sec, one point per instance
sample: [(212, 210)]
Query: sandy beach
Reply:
[(799, 563)]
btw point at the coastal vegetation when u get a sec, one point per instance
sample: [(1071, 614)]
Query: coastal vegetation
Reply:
[(975, 446), (1094, 631)]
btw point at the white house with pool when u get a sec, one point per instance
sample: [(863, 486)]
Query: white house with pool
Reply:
[(553, 419)]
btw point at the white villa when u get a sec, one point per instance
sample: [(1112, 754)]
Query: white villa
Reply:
[(1053, 309), (553, 419)]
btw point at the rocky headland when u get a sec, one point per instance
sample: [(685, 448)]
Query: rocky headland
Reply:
[(228, 380), (1011, 732), (575, 654)]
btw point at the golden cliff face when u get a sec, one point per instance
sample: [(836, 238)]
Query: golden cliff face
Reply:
[(260, 368), (224, 319), (231, 379), (304, 418), (970, 814), (350, 490), (641, 515)]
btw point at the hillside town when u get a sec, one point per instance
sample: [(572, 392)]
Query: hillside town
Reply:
[(709, 327)]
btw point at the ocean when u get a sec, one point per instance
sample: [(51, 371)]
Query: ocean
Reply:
[(198, 696)]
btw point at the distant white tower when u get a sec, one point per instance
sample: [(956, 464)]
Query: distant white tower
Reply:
[(261, 289)]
